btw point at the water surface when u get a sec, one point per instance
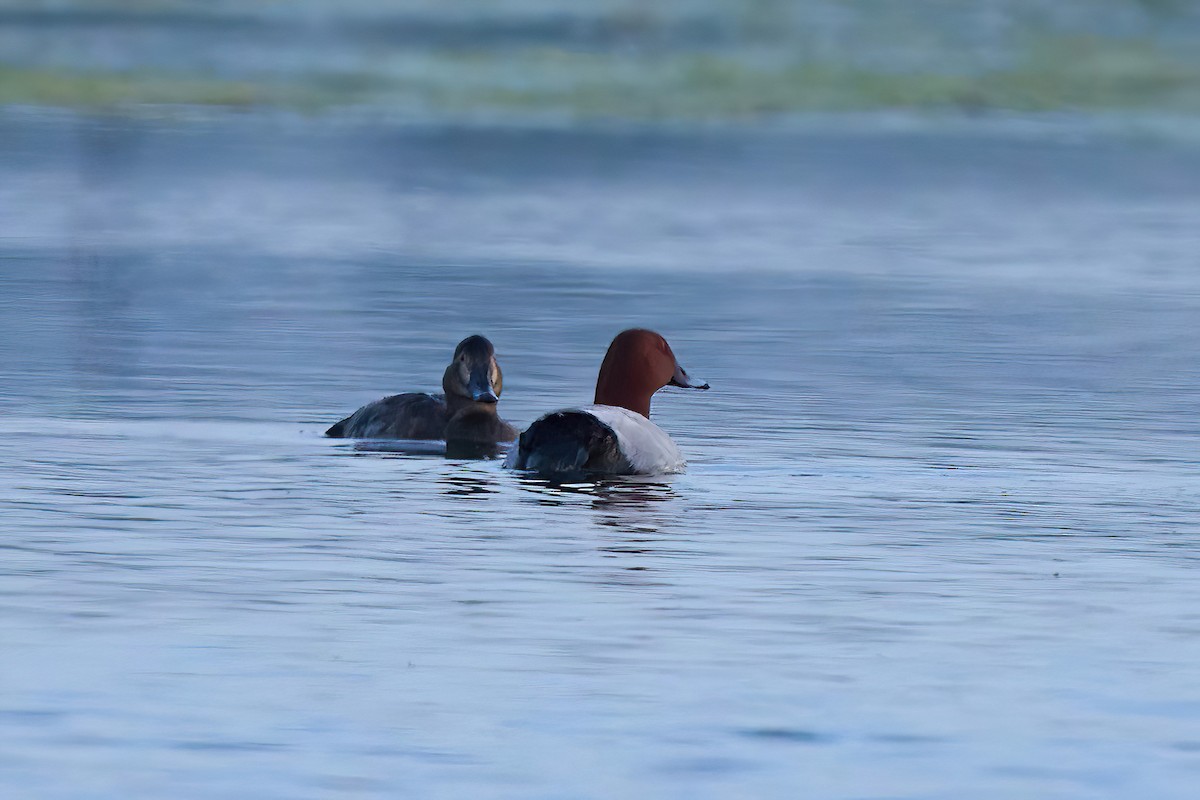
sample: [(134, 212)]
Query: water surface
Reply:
[(937, 539)]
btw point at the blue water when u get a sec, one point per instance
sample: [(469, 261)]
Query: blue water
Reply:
[(938, 537)]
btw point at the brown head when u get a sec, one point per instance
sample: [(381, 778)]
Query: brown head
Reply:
[(638, 363), (473, 377)]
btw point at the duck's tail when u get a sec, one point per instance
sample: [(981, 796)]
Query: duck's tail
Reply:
[(565, 443)]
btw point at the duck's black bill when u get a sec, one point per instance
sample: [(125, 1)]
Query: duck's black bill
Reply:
[(681, 379), (480, 385)]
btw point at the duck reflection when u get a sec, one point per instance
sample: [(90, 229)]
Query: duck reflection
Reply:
[(638, 509), (457, 451), (639, 519), (474, 451), (473, 485), (404, 447), (628, 504)]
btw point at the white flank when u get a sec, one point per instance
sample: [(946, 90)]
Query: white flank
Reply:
[(645, 446), (510, 460)]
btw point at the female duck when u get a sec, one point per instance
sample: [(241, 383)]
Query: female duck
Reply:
[(466, 413), (614, 436)]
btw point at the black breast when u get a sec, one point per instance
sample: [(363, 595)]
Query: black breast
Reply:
[(568, 442)]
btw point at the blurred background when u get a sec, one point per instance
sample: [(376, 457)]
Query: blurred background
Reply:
[(679, 61)]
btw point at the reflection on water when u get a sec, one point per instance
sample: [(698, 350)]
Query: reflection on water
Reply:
[(637, 508), (627, 503), (427, 447), (411, 447), (469, 485), (937, 537), (476, 450), (632, 490)]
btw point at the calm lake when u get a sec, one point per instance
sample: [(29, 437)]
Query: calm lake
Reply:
[(938, 538)]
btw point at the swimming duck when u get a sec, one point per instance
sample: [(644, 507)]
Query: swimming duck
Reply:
[(615, 435), (466, 413)]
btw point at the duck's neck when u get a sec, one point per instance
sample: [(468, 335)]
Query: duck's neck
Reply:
[(456, 403), (615, 393)]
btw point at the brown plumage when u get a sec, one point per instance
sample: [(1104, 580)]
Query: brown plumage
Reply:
[(638, 363), (466, 411)]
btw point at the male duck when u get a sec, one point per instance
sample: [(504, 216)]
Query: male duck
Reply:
[(615, 436), (465, 414)]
